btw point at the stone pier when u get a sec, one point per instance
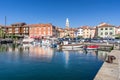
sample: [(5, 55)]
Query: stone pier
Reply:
[(110, 71)]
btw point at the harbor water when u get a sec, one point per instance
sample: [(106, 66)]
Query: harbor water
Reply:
[(43, 63)]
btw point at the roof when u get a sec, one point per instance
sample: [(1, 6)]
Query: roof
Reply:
[(39, 25), (23, 23), (85, 27), (1, 25), (104, 25), (70, 29), (92, 28)]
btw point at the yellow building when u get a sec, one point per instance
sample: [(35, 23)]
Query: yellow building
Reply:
[(86, 31)]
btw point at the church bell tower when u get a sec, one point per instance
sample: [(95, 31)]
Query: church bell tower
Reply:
[(67, 23)]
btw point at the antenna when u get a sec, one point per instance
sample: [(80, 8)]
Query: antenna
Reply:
[(5, 21)]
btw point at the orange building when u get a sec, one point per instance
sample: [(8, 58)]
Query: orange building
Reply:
[(17, 29), (61, 33), (67, 32), (42, 30)]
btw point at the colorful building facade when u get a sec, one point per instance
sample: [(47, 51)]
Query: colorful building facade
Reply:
[(86, 32), (42, 30), (106, 30)]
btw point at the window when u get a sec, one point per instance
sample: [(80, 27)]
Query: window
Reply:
[(48, 28), (24, 28), (111, 28), (111, 33), (10, 29), (106, 33), (101, 28), (16, 29), (101, 33), (106, 28), (44, 32)]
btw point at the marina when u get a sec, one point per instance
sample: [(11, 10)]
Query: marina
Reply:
[(18, 62), (59, 40)]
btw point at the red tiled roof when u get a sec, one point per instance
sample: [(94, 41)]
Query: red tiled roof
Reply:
[(39, 25), (85, 27), (104, 25), (70, 29)]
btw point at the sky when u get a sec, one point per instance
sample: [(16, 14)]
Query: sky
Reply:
[(79, 12)]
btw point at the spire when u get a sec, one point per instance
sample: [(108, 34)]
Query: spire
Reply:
[(67, 23)]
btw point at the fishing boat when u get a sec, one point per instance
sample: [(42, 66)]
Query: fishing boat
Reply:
[(71, 46), (92, 47)]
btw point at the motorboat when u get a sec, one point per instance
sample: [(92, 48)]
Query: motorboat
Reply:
[(92, 47)]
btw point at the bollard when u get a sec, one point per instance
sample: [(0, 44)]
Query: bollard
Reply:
[(110, 58)]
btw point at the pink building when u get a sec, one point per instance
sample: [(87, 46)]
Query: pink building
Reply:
[(117, 30)]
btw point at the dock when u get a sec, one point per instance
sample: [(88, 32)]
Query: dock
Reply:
[(102, 46), (110, 71)]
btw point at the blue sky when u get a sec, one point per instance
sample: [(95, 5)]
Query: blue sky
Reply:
[(79, 12)]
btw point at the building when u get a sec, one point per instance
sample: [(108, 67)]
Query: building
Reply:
[(117, 30), (86, 31), (79, 32), (67, 23), (69, 32), (66, 33), (61, 33), (17, 29), (93, 32), (106, 30), (42, 30)]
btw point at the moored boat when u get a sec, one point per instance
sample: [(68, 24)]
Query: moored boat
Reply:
[(92, 47), (71, 46), (27, 40)]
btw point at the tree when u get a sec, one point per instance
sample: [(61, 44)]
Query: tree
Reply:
[(2, 34)]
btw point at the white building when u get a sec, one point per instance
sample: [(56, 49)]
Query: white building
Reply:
[(106, 30), (79, 32)]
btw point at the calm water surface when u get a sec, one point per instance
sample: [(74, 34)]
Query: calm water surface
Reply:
[(36, 63)]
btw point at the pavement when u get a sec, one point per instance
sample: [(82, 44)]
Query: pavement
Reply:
[(110, 71)]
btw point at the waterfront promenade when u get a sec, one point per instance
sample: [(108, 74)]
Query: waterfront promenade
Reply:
[(110, 71)]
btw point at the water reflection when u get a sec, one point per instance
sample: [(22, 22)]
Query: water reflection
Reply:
[(39, 52), (46, 53), (99, 54), (66, 58), (70, 65), (102, 55)]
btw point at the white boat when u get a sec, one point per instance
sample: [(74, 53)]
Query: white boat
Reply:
[(67, 49), (72, 46), (45, 43), (27, 40)]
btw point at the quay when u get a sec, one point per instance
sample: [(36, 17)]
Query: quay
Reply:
[(110, 71), (102, 46)]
